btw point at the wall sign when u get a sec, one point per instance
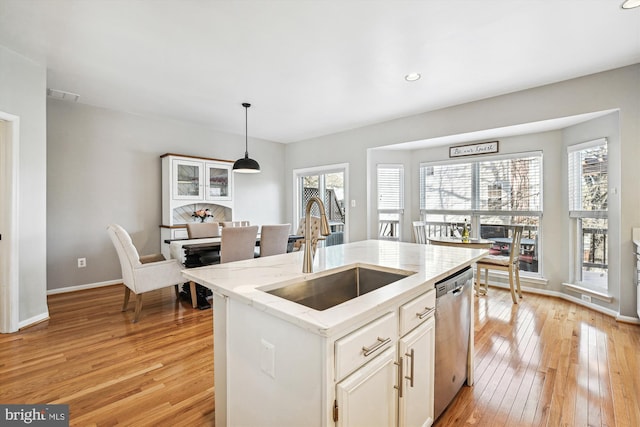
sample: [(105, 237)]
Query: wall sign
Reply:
[(474, 149)]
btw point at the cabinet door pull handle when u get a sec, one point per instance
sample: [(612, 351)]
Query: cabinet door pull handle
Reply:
[(379, 343), (427, 312), (410, 377), (400, 380)]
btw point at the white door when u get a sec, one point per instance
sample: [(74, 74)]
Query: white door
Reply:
[(368, 397), (417, 351)]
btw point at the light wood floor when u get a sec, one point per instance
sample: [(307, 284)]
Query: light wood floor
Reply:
[(549, 362), (157, 372), (544, 362)]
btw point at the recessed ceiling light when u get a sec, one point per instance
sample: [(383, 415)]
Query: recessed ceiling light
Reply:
[(412, 77), (630, 4)]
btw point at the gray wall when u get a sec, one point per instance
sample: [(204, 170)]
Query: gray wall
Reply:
[(616, 89), (104, 166), (22, 93)]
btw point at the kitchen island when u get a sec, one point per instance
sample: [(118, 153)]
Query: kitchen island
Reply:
[(279, 362)]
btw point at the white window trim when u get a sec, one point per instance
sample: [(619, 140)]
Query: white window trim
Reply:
[(575, 215), (320, 170)]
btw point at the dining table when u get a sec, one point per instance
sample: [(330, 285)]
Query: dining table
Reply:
[(190, 251), (459, 242)]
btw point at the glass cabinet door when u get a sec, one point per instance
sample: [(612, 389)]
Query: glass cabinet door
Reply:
[(218, 181), (187, 179)]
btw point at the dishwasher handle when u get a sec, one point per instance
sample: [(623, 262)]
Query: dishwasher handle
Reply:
[(457, 291)]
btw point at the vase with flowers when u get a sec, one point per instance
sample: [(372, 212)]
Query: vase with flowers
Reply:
[(202, 214)]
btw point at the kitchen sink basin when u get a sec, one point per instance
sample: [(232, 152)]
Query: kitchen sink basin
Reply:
[(323, 292)]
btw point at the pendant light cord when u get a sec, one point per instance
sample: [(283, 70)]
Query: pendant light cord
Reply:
[(246, 129)]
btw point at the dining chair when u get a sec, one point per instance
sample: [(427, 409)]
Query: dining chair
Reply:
[(510, 263), (420, 232), (201, 230), (315, 233), (235, 224), (274, 239), (238, 243), (142, 274)]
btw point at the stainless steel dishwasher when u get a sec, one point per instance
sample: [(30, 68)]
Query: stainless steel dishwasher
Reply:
[(453, 296)]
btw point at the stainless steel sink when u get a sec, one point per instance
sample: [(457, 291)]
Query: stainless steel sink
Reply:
[(321, 293)]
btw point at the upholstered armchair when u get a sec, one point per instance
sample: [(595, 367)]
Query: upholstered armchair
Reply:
[(142, 274)]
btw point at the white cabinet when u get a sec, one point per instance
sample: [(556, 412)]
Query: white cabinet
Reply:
[(389, 387), (190, 184), (192, 179), (417, 352), (186, 179), (368, 397), (217, 178)]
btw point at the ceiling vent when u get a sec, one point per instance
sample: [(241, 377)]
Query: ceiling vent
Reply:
[(61, 94)]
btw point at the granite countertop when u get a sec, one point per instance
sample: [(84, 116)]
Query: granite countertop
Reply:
[(243, 280)]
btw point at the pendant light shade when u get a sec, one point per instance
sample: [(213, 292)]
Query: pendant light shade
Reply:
[(246, 164)]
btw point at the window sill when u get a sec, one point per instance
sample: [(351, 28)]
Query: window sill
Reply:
[(503, 277), (603, 296)]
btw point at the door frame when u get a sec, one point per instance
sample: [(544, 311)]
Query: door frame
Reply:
[(321, 170), (9, 272)]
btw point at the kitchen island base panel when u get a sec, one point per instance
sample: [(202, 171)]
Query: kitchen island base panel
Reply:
[(257, 394)]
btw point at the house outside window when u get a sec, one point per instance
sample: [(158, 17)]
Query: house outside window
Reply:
[(588, 212), (390, 183), (491, 193)]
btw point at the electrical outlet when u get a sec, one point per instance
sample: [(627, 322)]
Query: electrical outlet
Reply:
[(82, 262), (586, 298)]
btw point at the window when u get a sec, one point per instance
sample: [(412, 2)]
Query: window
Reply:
[(588, 211), (390, 201), (492, 192)]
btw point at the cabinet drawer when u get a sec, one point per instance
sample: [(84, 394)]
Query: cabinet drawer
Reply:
[(417, 311), (179, 233), (362, 345)]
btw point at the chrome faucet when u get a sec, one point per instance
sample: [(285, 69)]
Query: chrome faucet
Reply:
[(309, 251)]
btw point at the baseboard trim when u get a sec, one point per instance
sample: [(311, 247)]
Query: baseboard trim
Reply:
[(582, 290), (33, 320), (627, 319), (575, 300), (83, 287)]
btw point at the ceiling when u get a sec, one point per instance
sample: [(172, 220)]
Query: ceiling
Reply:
[(312, 67)]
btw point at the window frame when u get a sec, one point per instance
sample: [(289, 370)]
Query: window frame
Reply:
[(396, 231), (577, 215), (474, 213)]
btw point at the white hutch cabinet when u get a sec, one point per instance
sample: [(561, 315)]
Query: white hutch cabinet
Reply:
[(190, 183)]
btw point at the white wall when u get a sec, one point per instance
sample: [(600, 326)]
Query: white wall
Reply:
[(616, 89), (22, 93), (104, 167)]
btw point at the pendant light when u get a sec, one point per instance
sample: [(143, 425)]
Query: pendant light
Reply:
[(246, 165)]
